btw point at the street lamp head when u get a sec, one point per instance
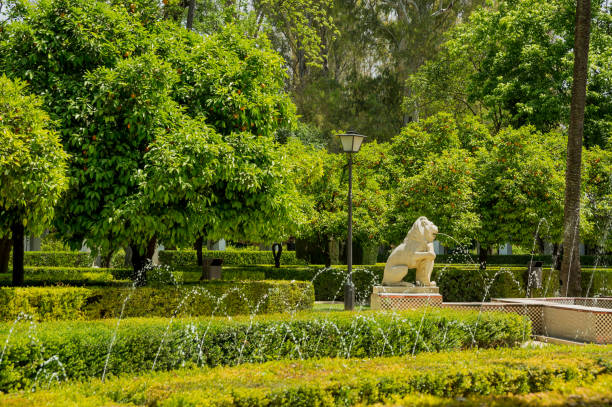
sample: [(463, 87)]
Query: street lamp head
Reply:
[(351, 141)]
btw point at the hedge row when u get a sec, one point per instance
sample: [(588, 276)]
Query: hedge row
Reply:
[(426, 379), (56, 259), (186, 259), (456, 283), (159, 344), (521, 259), (208, 298)]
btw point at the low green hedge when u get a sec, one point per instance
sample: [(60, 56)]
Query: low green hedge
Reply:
[(521, 259), (457, 283), (41, 303), (596, 282), (428, 379), (186, 259), (57, 259), (207, 298), (159, 344)]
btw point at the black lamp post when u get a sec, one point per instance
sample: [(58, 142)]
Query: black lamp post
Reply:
[(351, 143)]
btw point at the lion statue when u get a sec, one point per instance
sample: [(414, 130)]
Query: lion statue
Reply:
[(417, 251)]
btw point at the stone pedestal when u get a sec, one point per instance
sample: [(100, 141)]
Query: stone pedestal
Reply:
[(403, 298)]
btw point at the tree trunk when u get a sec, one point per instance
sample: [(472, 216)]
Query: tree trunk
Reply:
[(140, 260), (570, 266), (190, 14), (106, 260), (198, 248), (17, 230), (5, 252), (483, 255)]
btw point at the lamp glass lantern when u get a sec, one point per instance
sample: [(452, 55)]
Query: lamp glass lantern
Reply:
[(351, 141)]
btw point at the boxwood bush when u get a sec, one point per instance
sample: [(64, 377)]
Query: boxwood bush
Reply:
[(521, 259), (57, 259), (186, 259), (465, 378), (162, 344), (41, 303), (457, 282), (208, 298)]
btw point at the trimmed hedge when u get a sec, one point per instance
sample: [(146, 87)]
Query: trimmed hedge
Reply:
[(79, 279), (187, 260), (596, 282), (457, 283), (57, 259), (446, 378), (160, 344), (208, 298), (43, 303), (520, 259)]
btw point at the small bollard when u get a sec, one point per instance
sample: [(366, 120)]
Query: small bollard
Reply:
[(277, 250)]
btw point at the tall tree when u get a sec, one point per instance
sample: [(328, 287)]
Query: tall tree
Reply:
[(570, 267), (512, 65), (32, 169)]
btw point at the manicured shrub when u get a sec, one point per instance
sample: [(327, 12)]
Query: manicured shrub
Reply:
[(42, 304), (142, 345), (79, 279), (520, 259), (428, 379), (207, 298), (457, 282), (596, 282), (186, 259), (57, 259)]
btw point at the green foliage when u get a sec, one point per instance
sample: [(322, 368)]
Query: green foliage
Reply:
[(512, 64), (596, 221), (206, 298), (472, 378), (125, 108), (157, 344), (186, 259), (50, 276), (444, 190), (328, 189), (236, 83), (32, 161), (458, 283), (236, 187), (114, 84), (491, 188), (57, 259), (596, 282), (42, 304), (520, 187)]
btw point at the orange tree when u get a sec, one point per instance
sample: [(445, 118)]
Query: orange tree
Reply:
[(115, 81), (476, 186), (32, 170)]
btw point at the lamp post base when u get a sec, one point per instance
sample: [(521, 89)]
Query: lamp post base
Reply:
[(349, 296)]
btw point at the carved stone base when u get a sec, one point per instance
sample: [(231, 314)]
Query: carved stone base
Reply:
[(402, 298)]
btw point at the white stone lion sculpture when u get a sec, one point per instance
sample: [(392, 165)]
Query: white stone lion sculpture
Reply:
[(417, 251)]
